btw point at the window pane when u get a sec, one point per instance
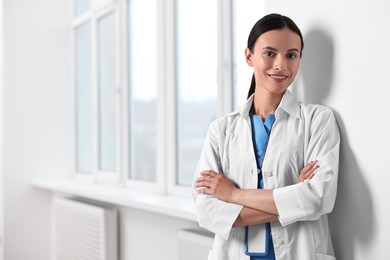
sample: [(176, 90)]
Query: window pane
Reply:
[(83, 99), (107, 93), (143, 88), (244, 19), (80, 6), (197, 80)]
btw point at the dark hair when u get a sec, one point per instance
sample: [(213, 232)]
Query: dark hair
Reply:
[(268, 23)]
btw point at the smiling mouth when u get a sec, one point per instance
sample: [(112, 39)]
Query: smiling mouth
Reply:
[(278, 77)]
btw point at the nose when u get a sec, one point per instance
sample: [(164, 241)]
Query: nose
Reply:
[(280, 63)]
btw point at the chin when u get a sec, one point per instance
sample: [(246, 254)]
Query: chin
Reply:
[(278, 90)]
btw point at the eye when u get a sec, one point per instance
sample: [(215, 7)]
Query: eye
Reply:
[(269, 54), (291, 55)]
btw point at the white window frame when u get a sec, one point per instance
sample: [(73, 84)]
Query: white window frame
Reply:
[(224, 91), (166, 175), (98, 10), (159, 184)]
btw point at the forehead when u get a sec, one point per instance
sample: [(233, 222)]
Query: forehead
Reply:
[(283, 39)]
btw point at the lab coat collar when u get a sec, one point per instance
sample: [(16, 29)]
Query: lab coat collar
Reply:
[(288, 104), (247, 107)]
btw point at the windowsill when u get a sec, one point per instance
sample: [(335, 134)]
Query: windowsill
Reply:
[(174, 206)]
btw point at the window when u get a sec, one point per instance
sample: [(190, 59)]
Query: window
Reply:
[(142, 89), (150, 76), (197, 84), (96, 91), (107, 126), (83, 70)]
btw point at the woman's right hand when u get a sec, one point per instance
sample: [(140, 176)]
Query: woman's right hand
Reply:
[(308, 171)]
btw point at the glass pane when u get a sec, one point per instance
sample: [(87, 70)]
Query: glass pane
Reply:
[(107, 93), (80, 6), (197, 80), (143, 88), (83, 99), (244, 19)]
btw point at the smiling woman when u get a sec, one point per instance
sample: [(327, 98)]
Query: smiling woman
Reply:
[(267, 175), (275, 59)]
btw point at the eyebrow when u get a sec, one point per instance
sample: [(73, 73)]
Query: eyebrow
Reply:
[(274, 49)]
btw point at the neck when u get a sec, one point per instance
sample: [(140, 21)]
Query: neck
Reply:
[(266, 103)]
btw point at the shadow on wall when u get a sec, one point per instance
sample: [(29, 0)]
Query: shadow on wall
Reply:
[(352, 218), (317, 66)]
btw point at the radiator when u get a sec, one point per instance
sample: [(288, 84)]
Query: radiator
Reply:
[(83, 231), (194, 244)]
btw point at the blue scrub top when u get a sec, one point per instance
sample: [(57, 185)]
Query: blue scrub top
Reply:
[(260, 136)]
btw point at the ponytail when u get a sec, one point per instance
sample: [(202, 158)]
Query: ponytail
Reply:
[(252, 87)]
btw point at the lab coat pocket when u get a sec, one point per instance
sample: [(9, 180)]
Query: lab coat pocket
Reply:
[(324, 257)]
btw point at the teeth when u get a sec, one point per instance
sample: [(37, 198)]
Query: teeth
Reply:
[(278, 77)]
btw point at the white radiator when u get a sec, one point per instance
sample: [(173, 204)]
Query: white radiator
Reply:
[(84, 231), (194, 244)]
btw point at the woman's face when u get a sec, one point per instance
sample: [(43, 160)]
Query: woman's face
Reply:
[(275, 60)]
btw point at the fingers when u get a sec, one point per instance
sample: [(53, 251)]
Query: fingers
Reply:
[(212, 183), (312, 166), (209, 173), (203, 182), (309, 165), (205, 185), (206, 179), (308, 171), (203, 190)]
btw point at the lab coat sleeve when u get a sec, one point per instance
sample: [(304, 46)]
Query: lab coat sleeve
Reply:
[(213, 214), (310, 199)]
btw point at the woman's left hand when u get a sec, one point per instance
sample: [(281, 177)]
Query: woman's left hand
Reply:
[(216, 184)]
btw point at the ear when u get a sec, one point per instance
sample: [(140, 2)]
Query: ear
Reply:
[(248, 57)]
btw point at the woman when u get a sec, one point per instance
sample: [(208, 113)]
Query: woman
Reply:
[(273, 165)]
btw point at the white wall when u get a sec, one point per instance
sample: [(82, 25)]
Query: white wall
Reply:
[(345, 66), (149, 236), (1, 134), (36, 119)]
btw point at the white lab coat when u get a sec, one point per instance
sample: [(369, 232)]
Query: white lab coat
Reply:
[(301, 132)]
